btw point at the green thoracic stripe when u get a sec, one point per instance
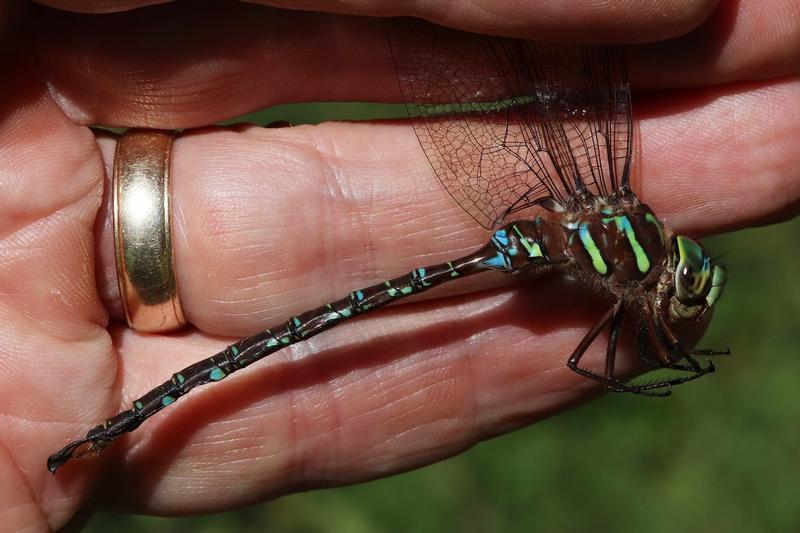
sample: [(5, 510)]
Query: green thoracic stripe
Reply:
[(653, 220), (591, 248), (624, 225)]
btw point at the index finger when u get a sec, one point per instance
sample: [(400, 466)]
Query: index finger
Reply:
[(561, 20), (184, 65)]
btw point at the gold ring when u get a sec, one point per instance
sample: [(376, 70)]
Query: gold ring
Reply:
[(142, 234)]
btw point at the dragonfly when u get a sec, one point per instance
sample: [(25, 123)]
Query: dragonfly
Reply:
[(508, 126)]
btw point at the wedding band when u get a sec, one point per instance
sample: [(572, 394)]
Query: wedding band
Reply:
[(142, 234)]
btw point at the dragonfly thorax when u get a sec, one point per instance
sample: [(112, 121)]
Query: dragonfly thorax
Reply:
[(618, 245)]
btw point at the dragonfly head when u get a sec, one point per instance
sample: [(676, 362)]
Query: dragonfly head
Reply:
[(698, 280)]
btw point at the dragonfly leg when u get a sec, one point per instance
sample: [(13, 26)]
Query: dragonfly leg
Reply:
[(667, 359), (614, 317), (644, 334), (587, 340), (708, 352), (677, 348), (618, 386), (612, 383), (667, 383), (611, 349)]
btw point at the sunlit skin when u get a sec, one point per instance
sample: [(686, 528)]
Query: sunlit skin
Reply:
[(371, 398)]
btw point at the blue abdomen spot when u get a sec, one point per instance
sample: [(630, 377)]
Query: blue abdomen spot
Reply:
[(498, 262), (420, 275), (216, 374), (501, 236)]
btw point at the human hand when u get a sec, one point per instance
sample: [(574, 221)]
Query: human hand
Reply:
[(406, 387)]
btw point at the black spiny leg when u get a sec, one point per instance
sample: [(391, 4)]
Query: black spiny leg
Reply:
[(667, 359), (707, 352), (680, 351), (611, 352), (611, 349), (587, 340), (614, 317), (678, 348)]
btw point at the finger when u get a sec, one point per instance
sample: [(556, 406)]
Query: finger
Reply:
[(722, 159), (182, 68), (100, 6), (391, 391), (745, 40), (53, 322), (270, 223), (616, 21)]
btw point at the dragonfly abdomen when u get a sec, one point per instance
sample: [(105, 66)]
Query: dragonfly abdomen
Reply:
[(525, 244), (251, 349)]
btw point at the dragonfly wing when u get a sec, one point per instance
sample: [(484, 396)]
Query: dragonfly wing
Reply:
[(507, 124)]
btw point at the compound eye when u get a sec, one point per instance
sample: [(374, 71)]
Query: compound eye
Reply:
[(692, 272)]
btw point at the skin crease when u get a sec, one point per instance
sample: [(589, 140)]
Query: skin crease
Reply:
[(718, 151)]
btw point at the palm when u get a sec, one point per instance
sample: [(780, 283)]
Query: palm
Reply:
[(362, 401)]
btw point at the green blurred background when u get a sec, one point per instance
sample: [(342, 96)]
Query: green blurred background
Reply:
[(723, 454)]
